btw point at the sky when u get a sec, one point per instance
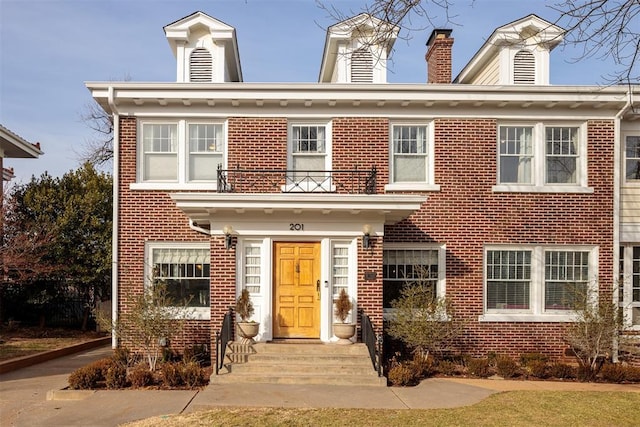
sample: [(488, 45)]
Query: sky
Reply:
[(50, 48)]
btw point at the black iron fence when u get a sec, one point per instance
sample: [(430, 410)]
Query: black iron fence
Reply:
[(355, 181), (223, 336), (372, 341)]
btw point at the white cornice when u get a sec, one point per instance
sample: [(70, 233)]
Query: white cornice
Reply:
[(235, 98)]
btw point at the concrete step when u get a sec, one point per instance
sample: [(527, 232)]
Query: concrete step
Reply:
[(298, 363), (361, 380)]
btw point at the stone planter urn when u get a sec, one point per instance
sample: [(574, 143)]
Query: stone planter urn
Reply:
[(247, 331), (344, 331)]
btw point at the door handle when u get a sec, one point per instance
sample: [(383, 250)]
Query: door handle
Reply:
[(318, 287)]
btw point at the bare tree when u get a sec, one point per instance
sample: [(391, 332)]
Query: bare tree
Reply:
[(605, 29), (99, 148)]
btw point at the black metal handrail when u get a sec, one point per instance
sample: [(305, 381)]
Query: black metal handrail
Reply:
[(223, 337), (372, 341), (352, 181)]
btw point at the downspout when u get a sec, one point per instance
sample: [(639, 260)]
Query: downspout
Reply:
[(115, 217), (616, 205)]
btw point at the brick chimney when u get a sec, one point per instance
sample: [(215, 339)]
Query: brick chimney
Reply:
[(439, 56)]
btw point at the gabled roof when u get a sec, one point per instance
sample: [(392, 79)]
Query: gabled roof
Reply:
[(349, 29), (530, 29), (180, 30), (15, 146)]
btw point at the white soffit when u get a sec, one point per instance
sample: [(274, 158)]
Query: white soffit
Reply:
[(391, 208), (12, 145)]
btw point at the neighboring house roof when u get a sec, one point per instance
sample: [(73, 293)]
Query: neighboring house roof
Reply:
[(13, 145), (179, 32), (7, 174), (530, 29), (363, 26)]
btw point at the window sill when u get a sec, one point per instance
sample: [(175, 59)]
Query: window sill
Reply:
[(526, 317), (411, 187), (515, 188), (171, 186)]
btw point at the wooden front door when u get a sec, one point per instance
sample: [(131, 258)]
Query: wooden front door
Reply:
[(297, 290)]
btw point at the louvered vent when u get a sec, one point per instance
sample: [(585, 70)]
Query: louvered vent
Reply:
[(200, 67), (524, 68), (361, 67)]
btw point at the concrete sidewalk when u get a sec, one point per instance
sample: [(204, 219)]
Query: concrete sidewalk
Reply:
[(23, 396)]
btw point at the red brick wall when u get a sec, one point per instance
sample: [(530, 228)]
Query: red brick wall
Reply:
[(147, 216), (439, 61), (370, 291), (466, 214)]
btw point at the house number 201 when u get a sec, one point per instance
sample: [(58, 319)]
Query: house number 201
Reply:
[(296, 227)]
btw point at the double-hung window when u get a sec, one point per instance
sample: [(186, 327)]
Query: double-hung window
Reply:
[(160, 151), (411, 157), (542, 157), (185, 270), (632, 158), (410, 265), (537, 282), (205, 151), (179, 154), (309, 157)]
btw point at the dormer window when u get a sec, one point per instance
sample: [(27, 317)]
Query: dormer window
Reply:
[(200, 66), (524, 68), (362, 66)]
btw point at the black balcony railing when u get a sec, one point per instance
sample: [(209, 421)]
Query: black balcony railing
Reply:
[(238, 180)]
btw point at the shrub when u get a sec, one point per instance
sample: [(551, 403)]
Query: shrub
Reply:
[(116, 376), (193, 375), (122, 355), (423, 366), (197, 353), (171, 375), (402, 374), (140, 376), (613, 372), (562, 371), (479, 367), (506, 367), (538, 369), (526, 359), (86, 377), (103, 365), (448, 367)]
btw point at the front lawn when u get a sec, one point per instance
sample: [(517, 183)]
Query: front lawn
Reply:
[(517, 408), (25, 341)]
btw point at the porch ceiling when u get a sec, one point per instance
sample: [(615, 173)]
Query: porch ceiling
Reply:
[(203, 208)]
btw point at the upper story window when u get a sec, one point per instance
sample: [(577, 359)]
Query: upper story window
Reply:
[(205, 151), (361, 66), (632, 158), (175, 153), (309, 156), (160, 151), (200, 66), (412, 162), (524, 68), (542, 157), (537, 281)]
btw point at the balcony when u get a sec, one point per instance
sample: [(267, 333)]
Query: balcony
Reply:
[(356, 181)]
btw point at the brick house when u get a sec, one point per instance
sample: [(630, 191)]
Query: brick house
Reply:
[(508, 190)]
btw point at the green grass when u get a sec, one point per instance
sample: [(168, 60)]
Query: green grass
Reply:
[(517, 408)]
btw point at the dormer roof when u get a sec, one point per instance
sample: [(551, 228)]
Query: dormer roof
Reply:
[(183, 32), (363, 27), (528, 32)]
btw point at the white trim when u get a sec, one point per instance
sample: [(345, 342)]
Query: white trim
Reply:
[(536, 311), (528, 188), (192, 313), (429, 183)]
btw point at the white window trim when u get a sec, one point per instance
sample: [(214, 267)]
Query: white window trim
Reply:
[(328, 148), (627, 302), (194, 313), (182, 183), (352, 274), (536, 311), (625, 182), (429, 184), (441, 282), (539, 184)]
